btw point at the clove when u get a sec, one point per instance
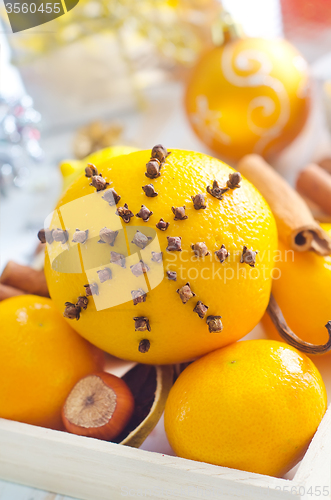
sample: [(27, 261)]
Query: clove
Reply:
[(80, 236), (144, 213), (82, 302), (91, 170), (172, 275), (217, 191), (138, 296), (144, 346), (234, 180), (117, 258), (141, 324), (214, 323), (60, 235), (185, 293), (72, 311), (200, 249), (157, 257), (141, 240), (179, 213), (91, 289), (248, 257), (199, 201), (111, 197), (222, 254), (46, 236), (201, 309), (99, 182), (105, 274), (174, 244), (149, 190), (162, 225), (160, 153), (107, 236), (125, 213), (153, 169), (139, 268)]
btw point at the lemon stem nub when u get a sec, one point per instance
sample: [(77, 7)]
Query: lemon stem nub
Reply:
[(290, 337)]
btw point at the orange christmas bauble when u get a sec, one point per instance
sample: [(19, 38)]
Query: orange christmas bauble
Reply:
[(249, 95)]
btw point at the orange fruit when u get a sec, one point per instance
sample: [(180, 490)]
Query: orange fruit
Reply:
[(234, 290), (41, 359), (263, 85), (254, 406), (302, 291)]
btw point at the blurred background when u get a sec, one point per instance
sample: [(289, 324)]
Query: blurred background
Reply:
[(115, 72)]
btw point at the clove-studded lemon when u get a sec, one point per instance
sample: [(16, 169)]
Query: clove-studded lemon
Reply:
[(160, 257)]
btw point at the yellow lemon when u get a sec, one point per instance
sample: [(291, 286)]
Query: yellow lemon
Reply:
[(302, 290)]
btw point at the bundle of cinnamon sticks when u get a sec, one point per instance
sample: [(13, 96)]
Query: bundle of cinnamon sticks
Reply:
[(18, 280)]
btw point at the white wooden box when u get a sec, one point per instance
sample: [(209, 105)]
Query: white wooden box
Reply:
[(91, 469), (96, 470)]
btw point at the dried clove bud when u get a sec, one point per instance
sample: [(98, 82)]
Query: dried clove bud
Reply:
[(153, 169), (144, 213), (82, 302), (91, 289), (179, 213), (139, 268), (160, 152), (222, 254), (200, 249), (234, 180), (107, 236), (46, 236), (199, 201), (125, 213), (216, 190), (91, 170), (144, 346), (248, 257), (149, 190), (141, 240), (185, 293), (162, 225), (80, 236), (214, 323), (141, 324), (72, 311), (172, 275), (111, 197), (200, 309), (60, 235), (117, 258), (157, 257), (99, 182), (174, 244), (105, 274), (138, 296)]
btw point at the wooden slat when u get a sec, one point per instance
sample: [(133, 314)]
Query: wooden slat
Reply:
[(94, 470)]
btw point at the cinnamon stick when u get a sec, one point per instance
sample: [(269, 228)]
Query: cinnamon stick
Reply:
[(295, 223), (24, 278), (290, 337), (9, 291), (325, 164), (315, 183)]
